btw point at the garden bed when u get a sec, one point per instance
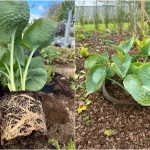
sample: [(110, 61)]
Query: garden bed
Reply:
[(131, 123)]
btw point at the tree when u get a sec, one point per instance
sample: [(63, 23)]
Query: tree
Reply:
[(96, 17), (142, 14), (64, 9), (53, 11)]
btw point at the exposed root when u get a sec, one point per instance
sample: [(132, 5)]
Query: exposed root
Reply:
[(22, 114)]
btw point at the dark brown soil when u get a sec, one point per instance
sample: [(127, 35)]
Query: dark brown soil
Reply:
[(131, 123), (117, 92)]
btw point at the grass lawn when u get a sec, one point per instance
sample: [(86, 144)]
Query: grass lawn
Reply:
[(111, 27)]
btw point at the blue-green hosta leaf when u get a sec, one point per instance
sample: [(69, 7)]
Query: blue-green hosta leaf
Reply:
[(146, 49), (37, 62), (144, 74), (3, 51), (127, 45), (36, 79), (110, 71), (139, 89), (132, 69), (6, 58), (95, 59), (105, 54), (121, 66), (118, 48), (12, 14), (95, 78), (40, 34)]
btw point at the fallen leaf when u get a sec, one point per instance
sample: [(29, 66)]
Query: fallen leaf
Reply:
[(80, 109), (83, 72), (76, 76), (110, 132)]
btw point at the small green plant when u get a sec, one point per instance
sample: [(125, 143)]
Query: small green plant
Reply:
[(140, 43), (70, 145), (49, 54), (88, 34), (80, 36), (87, 119), (83, 51), (107, 42), (50, 72), (23, 72), (134, 74), (72, 34)]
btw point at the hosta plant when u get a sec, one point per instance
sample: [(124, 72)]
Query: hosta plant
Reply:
[(22, 111), (23, 72), (134, 73)]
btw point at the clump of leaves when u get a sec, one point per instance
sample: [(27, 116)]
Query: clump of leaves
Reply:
[(80, 36), (107, 42), (23, 72), (135, 74), (83, 50), (49, 54), (50, 72), (70, 145), (88, 34)]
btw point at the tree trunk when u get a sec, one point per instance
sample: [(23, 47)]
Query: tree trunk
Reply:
[(142, 15)]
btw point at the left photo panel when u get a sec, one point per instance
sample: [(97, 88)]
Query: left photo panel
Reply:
[(37, 68)]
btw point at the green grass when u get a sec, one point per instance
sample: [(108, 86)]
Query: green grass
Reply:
[(102, 28)]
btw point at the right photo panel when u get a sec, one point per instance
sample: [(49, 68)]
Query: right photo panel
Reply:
[(112, 58)]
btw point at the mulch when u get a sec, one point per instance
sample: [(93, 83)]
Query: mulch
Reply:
[(131, 123)]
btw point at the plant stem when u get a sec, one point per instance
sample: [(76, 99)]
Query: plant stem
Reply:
[(117, 83), (146, 59), (20, 71), (13, 87), (23, 86)]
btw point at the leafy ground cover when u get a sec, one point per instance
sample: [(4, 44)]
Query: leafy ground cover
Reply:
[(96, 115)]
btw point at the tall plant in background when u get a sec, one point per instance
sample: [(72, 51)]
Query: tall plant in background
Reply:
[(120, 16), (142, 15), (106, 18), (96, 16), (133, 16), (81, 14), (65, 5), (53, 11)]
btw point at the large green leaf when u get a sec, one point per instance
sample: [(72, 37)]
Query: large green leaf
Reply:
[(13, 14), (39, 34), (95, 59), (3, 51), (110, 71), (121, 66), (6, 58), (146, 48), (139, 85), (127, 45), (118, 48), (105, 54), (95, 78), (36, 79), (37, 62)]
